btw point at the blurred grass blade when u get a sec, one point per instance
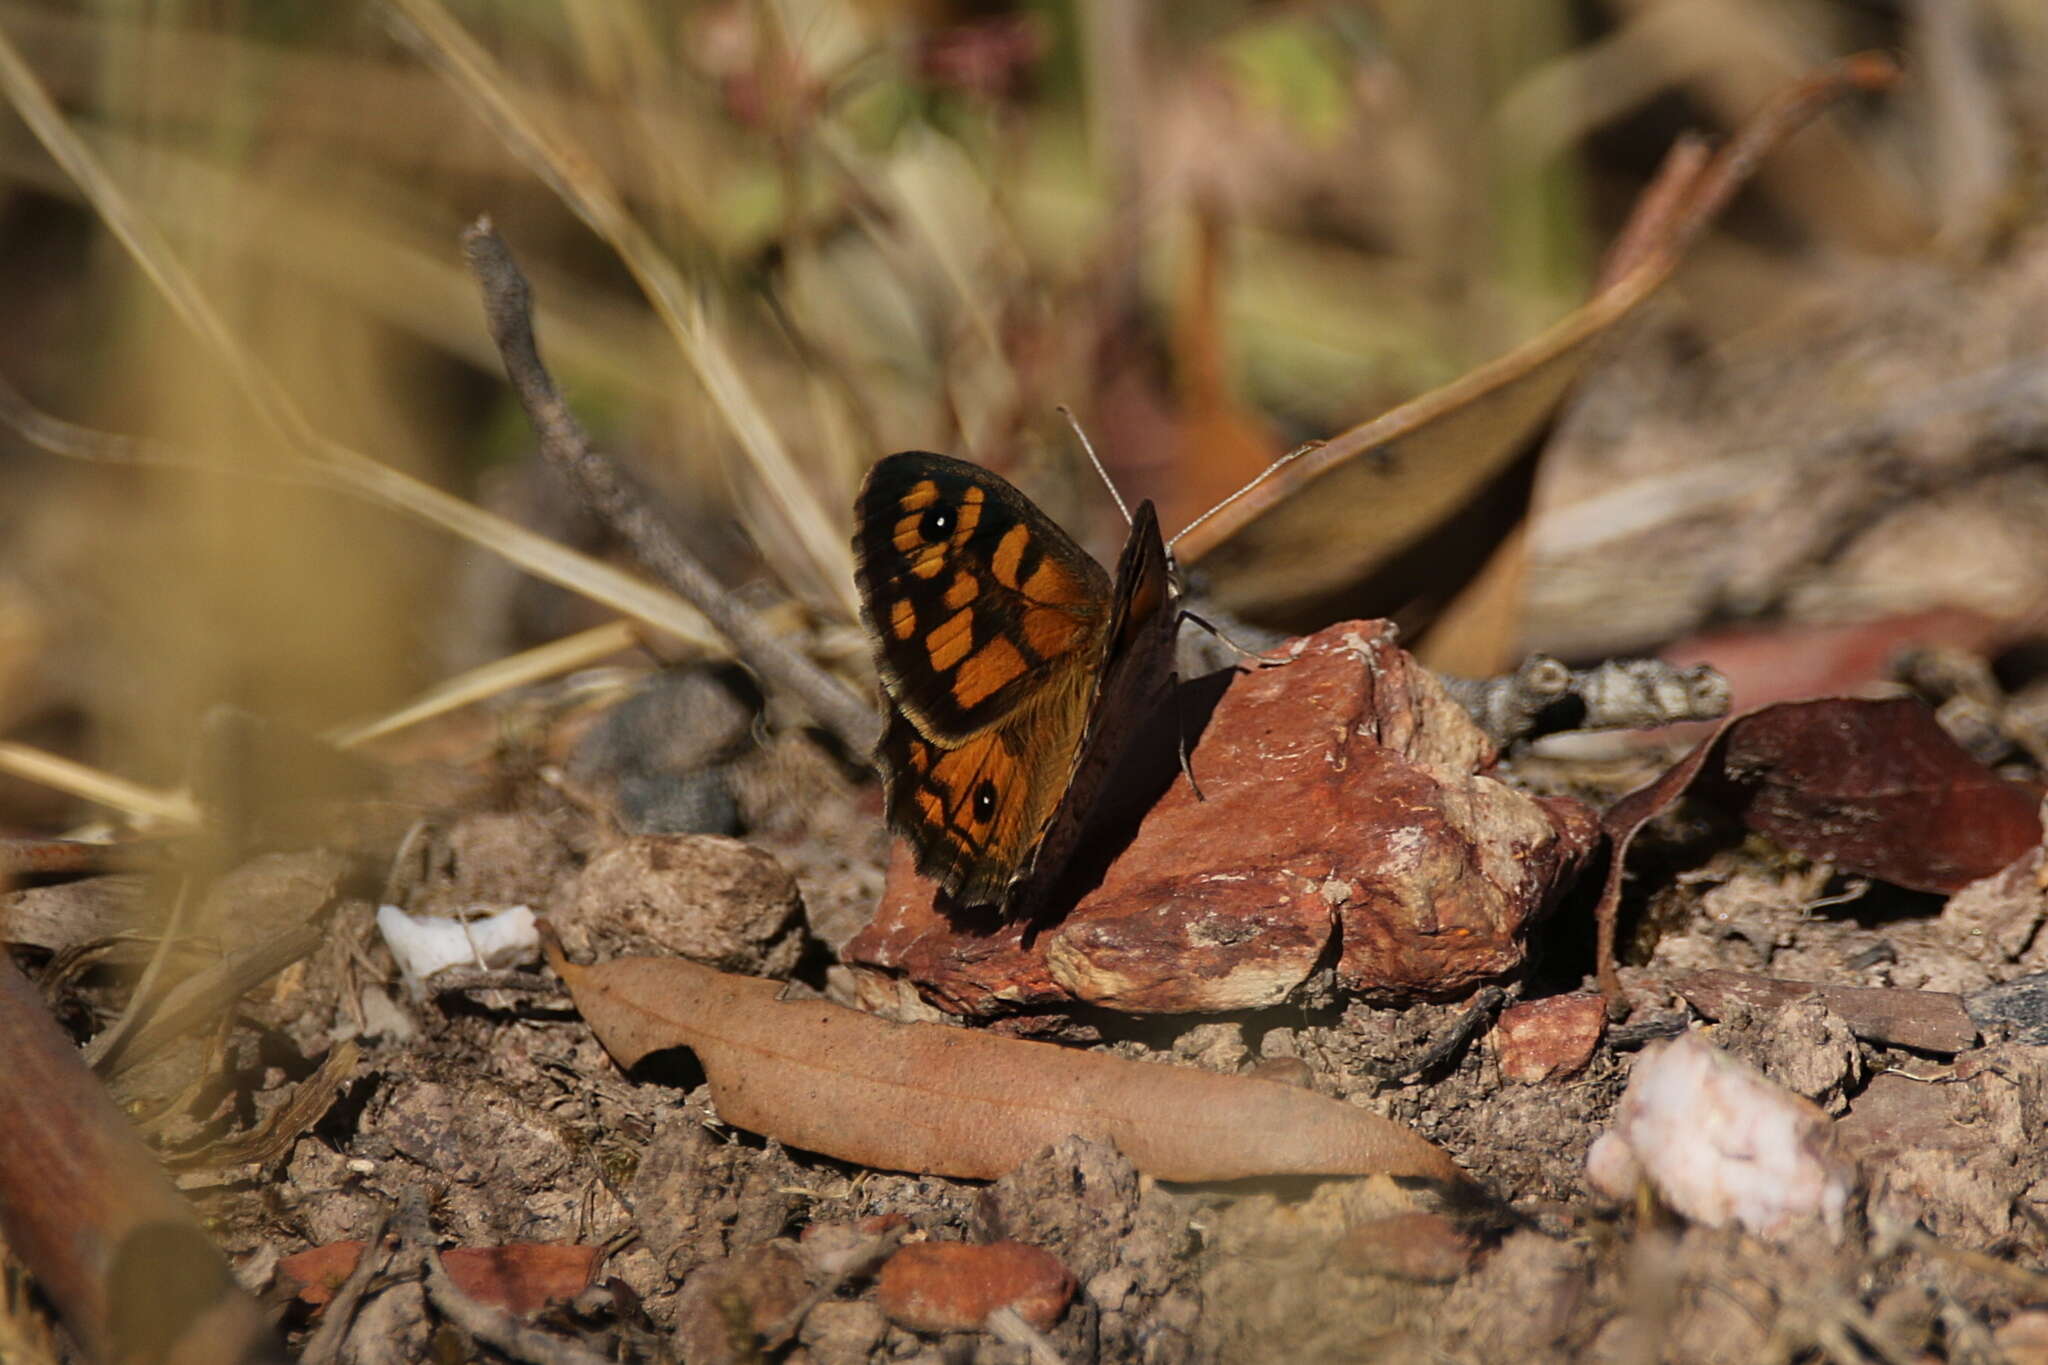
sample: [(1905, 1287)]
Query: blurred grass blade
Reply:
[(576, 178), (146, 804), (494, 678), (536, 554)]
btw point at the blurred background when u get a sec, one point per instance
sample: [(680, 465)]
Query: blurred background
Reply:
[(1214, 229)]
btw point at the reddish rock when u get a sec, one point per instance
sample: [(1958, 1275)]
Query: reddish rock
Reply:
[(1538, 1040), (519, 1277), (313, 1275), (1425, 1247), (953, 1287), (1347, 822)]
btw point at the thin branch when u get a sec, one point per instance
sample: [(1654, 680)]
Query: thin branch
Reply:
[(508, 307), (437, 36), (1544, 697), (498, 1330), (324, 1346)]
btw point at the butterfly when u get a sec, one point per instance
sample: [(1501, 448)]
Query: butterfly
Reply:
[(1013, 668)]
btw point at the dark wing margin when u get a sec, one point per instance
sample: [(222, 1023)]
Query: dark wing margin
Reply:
[(1143, 628)]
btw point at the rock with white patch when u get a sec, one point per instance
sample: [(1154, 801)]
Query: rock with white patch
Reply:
[(1347, 836)]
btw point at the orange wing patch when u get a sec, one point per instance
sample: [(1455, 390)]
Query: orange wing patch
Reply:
[(1055, 585), (1009, 555), (993, 667), (1050, 632), (979, 789), (948, 644)]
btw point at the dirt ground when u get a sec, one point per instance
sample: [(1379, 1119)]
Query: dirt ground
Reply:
[(485, 1096)]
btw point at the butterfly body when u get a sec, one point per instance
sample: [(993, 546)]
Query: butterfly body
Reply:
[(1013, 666)]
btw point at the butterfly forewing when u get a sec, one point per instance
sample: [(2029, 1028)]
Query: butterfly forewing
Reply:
[(1013, 666), (970, 592)]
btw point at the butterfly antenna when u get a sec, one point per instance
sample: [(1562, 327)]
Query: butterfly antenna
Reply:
[(1268, 472), (1089, 446)]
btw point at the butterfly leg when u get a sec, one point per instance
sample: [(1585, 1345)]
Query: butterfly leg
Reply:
[(1262, 660), (1181, 747)]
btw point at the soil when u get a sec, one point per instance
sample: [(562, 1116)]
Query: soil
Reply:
[(483, 1095)]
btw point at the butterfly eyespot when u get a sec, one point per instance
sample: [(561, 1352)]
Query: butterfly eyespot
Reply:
[(984, 802), (938, 523)]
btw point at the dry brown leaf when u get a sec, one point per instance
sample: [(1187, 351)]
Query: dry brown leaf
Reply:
[(955, 1102), (1406, 475)]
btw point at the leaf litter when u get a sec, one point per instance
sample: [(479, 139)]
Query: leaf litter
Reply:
[(493, 1099)]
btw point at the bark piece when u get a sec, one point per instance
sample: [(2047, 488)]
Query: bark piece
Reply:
[(949, 1101), (2018, 1007), (1933, 1021), (1344, 820), (953, 1287), (1898, 1113)]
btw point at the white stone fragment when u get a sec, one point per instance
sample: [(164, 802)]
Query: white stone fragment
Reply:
[(427, 944), (1721, 1144)]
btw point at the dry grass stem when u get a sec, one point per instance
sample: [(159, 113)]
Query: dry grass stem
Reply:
[(577, 179), (508, 303)]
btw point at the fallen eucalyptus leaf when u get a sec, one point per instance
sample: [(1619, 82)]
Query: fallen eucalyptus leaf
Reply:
[(956, 1102), (1874, 787)]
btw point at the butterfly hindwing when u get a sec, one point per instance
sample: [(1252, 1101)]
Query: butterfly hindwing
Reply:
[(970, 592)]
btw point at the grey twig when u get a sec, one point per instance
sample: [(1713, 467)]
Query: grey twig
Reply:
[(324, 1346), (203, 995), (499, 1330), (1008, 1326), (856, 1268), (1544, 697), (508, 308)]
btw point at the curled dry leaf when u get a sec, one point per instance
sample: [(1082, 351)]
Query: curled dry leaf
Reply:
[(955, 1102), (1280, 550), (1875, 787)]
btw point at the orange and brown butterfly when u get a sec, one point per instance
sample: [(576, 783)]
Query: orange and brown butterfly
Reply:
[(1013, 667)]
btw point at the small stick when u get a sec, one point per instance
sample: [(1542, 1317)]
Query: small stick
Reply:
[(200, 996), (500, 1331), (324, 1346), (1008, 1326), (1544, 697), (508, 308)]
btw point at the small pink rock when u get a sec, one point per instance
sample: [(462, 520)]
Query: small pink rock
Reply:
[(1538, 1040), (953, 1287)]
